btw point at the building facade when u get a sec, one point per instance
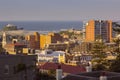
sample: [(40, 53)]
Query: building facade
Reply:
[(17, 67), (33, 40), (46, 39), (98, 29)]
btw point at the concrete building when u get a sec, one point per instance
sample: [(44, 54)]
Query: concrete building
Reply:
[(98, 29), (57, 46), (15, 48), (44, 40), (33, 40), (51, 56), (49, 38), (17, 67)]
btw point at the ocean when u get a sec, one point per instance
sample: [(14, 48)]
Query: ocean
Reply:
[(44, 25)]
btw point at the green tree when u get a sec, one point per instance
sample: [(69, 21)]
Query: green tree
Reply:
[(115, 66), (116, 27), (99, 57), (117, 48), (44, 76)]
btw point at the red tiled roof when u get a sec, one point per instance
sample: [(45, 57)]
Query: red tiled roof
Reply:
[(19, 44), (16, 44), (66, 68)]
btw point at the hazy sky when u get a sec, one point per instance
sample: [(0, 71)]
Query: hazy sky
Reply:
[(60, 10)]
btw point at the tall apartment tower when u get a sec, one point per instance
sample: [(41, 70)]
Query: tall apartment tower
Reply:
[(98, 29)]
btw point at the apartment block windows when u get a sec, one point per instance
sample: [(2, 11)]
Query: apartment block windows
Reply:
[(6, 69)]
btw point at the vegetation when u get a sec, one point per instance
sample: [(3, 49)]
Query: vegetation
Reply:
[(67, 33), (10, 27), (116, 27), (115, 65), (99, 57), (44, 76)]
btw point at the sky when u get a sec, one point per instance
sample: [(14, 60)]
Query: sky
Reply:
[(59, 10)]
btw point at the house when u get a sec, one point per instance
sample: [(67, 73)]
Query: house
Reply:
[(67, 69)]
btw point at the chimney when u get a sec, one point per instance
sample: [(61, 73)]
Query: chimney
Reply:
[(88, 67), (103, 76), (59, 72)]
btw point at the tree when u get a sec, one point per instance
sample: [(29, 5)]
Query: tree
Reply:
[(99, 57), (116, 27), (44, 76), (115, 66), (117, 41)]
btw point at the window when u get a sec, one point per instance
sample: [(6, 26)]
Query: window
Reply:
[(6, 69)]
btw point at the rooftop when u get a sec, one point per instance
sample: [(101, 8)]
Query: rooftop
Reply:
[(93, 76), (66, 68)]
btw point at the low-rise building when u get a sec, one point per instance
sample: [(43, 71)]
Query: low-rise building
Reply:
[(15, 48), (51, 56), (67, 69), (57, 46), (17, 67)]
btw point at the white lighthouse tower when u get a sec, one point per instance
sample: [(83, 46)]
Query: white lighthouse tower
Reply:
[(4, 41)]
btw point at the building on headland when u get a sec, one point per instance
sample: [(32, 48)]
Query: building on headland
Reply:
[(33, 40), (98, 29), (17, 67)]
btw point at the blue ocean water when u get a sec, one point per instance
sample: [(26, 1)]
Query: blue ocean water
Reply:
[(44, 25)]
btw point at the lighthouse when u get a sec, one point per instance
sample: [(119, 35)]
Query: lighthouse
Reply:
[(4, 42)]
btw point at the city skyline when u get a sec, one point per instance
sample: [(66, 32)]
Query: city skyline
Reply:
[(58, 10)]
